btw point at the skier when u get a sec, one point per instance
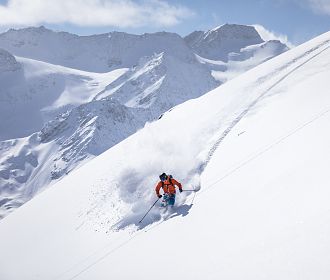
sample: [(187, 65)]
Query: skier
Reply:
[(167, 183)]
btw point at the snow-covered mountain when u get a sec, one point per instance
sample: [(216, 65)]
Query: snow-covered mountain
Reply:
[(56, 118), (30, 164), (95, 53), (8, 65), (160, 82), (34, 92), (218, 43), (257, 151), (75, 115), (232, 49)]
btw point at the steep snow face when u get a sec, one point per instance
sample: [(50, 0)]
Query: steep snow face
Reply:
[(31, 164), (96, 53), (20, 160), (89, 130), (262, 171), (246, 59), (159, 83), (217, 43), (34, 92), (263, 51)]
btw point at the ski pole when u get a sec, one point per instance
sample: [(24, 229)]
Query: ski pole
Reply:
[(149, 210), (189, 190)]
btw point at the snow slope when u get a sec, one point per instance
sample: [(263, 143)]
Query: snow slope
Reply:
[(34, 92), (31, 164), (160, 82), (256, 147), (242, 61)]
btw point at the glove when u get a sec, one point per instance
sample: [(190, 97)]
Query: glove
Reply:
[(160, 196), (180, 190)]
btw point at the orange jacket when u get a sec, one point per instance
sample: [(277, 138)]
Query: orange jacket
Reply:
[(168, 186)]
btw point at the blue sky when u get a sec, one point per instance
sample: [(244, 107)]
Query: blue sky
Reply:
[(300, 20)]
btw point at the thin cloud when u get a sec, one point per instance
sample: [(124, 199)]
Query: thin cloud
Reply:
[(320, 6), (317, 6), (117, 13), (267, 35)]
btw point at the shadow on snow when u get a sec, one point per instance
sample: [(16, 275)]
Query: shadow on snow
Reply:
[(158, 214)]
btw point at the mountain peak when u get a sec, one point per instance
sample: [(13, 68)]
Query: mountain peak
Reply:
[(32, 29), (8, 62), (235, 31), (218, 42)]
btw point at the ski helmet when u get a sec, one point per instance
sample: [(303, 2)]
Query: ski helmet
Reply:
[(163, 177)]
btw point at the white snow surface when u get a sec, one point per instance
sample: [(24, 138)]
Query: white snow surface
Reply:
[(256, 149), (34, 92), (35, 99), (243, 60), (160, 82)]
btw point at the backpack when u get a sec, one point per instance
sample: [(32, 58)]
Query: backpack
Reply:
[(169, 179)]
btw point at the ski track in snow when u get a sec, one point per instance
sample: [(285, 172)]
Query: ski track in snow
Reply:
[(97, 256), (264, 93)]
